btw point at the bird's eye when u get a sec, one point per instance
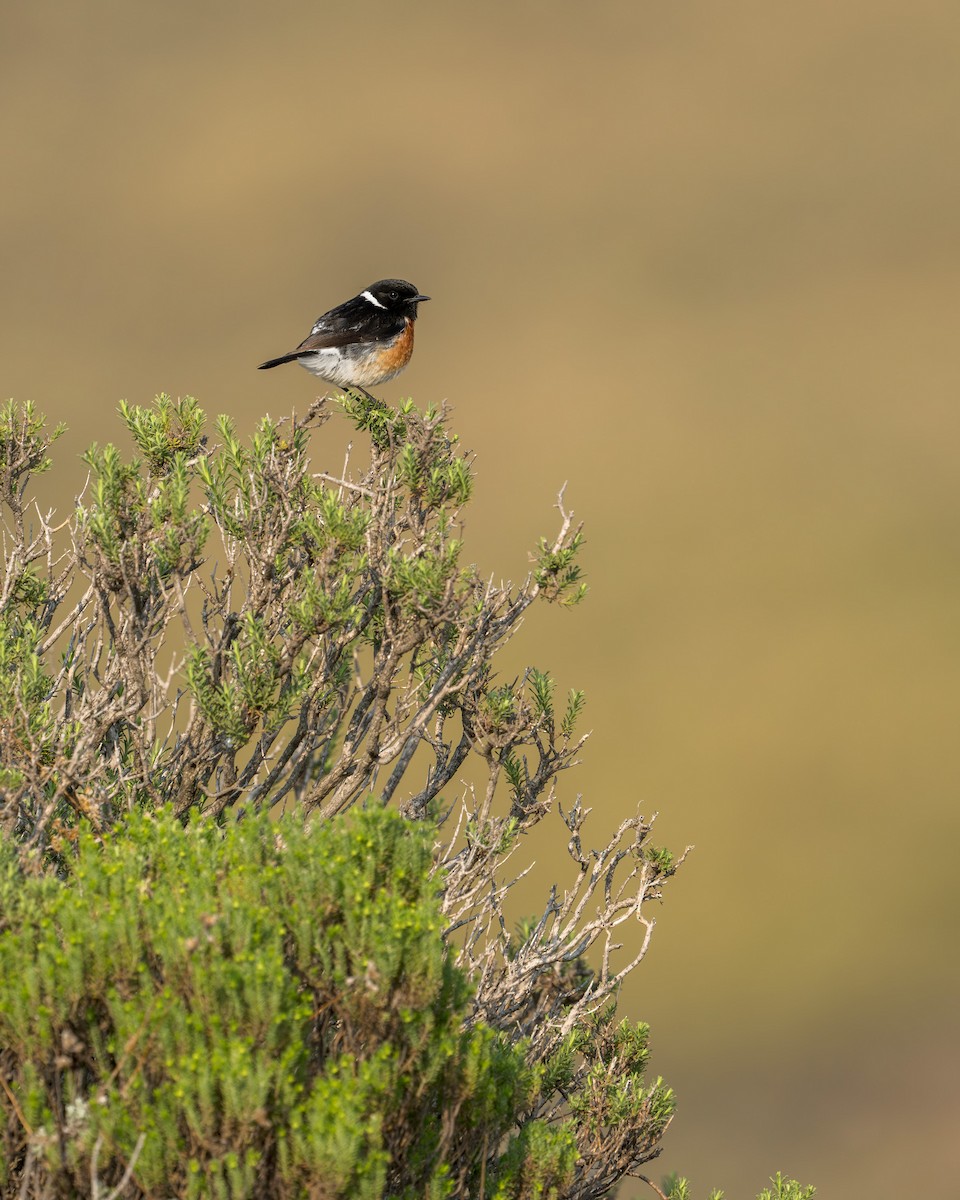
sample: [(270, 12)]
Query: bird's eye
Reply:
[(394, 294)]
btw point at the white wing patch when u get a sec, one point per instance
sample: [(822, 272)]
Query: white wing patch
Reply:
[(369, 296)]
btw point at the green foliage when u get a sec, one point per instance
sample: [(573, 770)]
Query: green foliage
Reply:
[(271, 1007), (539, 1163), (24, 446), (558, 574), (169, 429), (27, 598), (786, 1189), (676, 1188), (139, 528), (22, 675)]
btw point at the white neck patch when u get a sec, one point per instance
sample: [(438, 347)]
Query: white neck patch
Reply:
[(371, 298)]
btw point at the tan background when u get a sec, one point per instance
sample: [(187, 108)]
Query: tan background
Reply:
[(702, 260)]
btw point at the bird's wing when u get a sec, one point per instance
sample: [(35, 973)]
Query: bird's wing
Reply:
[(347, 324)]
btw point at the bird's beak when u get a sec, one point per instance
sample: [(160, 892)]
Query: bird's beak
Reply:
[(417, 299)]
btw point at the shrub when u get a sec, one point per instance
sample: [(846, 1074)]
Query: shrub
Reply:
[(200, 998)]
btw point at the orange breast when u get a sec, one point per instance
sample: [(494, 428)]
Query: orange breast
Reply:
[(391, 359)]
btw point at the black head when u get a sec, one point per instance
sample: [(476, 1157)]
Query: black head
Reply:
[(394, 295)]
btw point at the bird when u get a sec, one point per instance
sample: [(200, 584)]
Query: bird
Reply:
[(362, 342)]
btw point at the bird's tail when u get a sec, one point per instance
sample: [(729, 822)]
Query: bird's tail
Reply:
[(276, 362)]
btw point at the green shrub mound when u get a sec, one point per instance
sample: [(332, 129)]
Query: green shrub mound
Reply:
[(263, 1011)]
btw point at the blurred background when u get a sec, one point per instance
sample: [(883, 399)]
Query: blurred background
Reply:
[(702, 260)]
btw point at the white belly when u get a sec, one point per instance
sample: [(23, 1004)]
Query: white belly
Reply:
[(325, 364), (332, 366)]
